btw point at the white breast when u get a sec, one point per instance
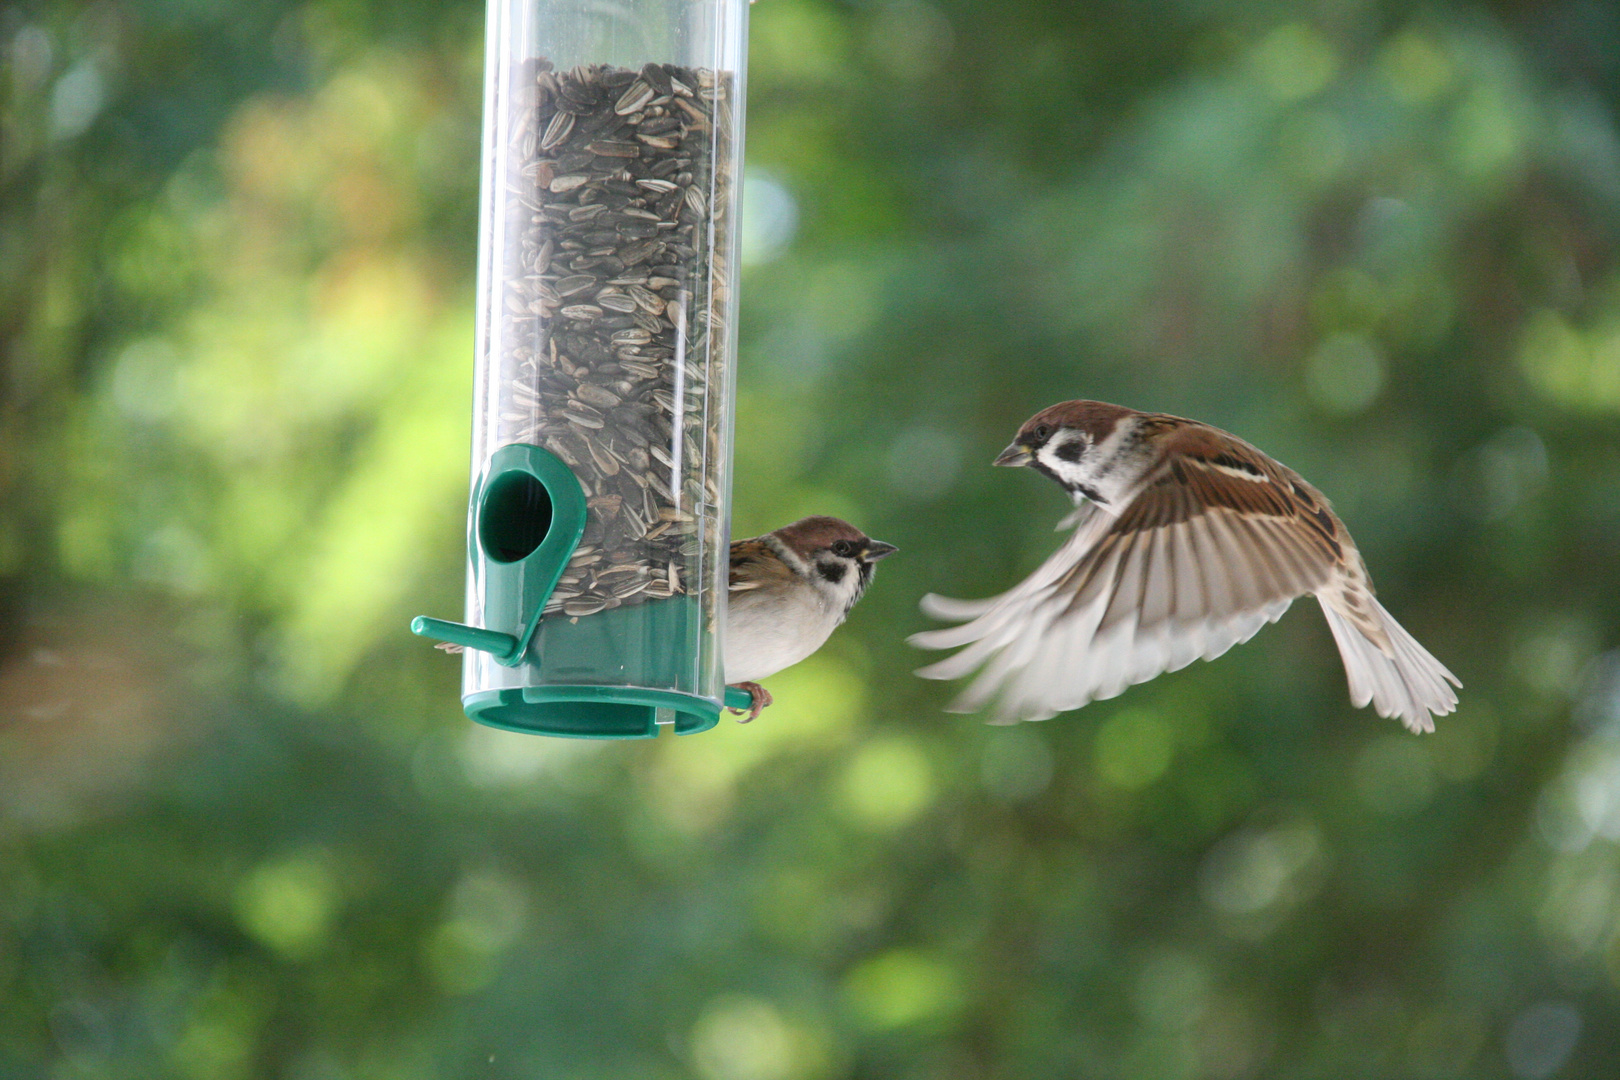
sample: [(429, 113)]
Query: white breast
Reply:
[(766, 633)]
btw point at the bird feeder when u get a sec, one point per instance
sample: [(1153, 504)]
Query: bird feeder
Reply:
[(602, 398)]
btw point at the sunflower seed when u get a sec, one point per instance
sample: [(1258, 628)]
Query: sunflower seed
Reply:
[(648, 300), (638, 252), (655, 76), (580, 419), (557, 130), (591, 394), (629, 588), (609, 148), (635, 97)]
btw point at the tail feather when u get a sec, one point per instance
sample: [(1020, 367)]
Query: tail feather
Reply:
[(1408, 683)]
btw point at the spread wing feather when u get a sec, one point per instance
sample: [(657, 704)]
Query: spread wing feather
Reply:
[(1197, 562)]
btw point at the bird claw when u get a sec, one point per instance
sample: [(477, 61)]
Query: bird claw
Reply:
[(760, 696)]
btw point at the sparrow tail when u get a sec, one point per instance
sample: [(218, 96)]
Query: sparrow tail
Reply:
[(1409, 683)]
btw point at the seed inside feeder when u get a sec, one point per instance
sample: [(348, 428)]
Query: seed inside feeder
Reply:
[(614, 272)]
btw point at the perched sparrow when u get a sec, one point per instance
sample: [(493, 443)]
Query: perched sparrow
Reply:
[(789, 590), (1187, 540)]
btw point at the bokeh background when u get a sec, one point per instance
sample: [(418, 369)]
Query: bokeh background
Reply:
[(245, 831)]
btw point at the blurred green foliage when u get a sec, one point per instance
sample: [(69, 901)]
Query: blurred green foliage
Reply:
[(244, 831)]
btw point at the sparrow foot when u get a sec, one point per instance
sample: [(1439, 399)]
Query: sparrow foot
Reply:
[(761, 697), (449, 647)]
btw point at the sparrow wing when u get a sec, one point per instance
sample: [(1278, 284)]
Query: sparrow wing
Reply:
[(946, 608), (753, 564), (1218, 541)]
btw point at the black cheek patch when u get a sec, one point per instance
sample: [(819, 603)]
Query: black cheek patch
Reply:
[(834, 571), (1071, 451)]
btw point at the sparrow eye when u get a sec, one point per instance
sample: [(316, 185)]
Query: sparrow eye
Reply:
[(1042, 432), (843, 548)]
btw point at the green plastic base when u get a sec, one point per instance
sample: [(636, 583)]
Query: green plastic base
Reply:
[(591, 712), (592, 658)]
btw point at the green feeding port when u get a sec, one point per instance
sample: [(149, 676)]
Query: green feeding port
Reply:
[(610, 674), (515, 517), (528, 516)]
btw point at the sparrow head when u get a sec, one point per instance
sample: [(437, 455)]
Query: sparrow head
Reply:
[(1077, 443), (834, 555)]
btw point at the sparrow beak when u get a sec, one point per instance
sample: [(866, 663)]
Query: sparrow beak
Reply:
[(877, 549), (1016, 454)]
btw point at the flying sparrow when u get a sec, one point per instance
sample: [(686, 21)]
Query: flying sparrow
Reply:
[(789, 590), (1186, 541)]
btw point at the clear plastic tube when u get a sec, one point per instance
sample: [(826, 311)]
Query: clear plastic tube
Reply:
[(606, 301)]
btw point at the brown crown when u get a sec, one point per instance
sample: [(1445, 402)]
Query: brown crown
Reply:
[(1096, 418), (809, 535)]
